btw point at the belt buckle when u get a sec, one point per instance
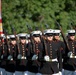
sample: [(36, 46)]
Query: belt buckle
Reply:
[(50, 60), (23, 57)]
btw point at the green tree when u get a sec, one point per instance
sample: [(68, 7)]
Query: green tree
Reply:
[(19, 13)]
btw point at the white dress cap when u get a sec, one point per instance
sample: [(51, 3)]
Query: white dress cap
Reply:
[(48, 31), (22, 34), (57, 31), (36, 32), (70, 31)]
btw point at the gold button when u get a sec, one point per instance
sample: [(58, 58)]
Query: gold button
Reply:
[(23, 51), (50, 51), (36, 47), (50, 54), (50, 44), (23, 48)]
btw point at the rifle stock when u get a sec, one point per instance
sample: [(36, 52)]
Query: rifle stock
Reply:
[(44, 41), (33, 44), (7, 41), (65, 41), (2, 43)]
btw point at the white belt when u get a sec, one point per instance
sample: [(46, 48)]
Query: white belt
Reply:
[(72, 56), (52, 60), (23, 57)]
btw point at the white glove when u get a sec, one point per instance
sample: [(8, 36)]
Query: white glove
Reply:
[(1, 56), (46, 58), (60, 73), (70, 54), (35, 57), (10, 57), (19, 56)]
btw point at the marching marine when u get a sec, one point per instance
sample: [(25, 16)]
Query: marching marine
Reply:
[(52, 55), (36, 52), (69, 61), (3, 50), (11, 59), (57, 39), (22, 55)]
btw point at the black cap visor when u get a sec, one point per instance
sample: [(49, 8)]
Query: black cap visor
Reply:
[(49, 34), (36, 35), (56, 34), (22, 37), (71, 34)]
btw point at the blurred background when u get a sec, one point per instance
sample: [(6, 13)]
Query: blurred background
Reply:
[(21, 13)]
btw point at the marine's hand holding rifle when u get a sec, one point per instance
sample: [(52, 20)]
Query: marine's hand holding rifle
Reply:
[(46, 58), (8, 45), (19, 56), (64, 39), (10, 57), (70, 55), (34, 57), (2, 56)]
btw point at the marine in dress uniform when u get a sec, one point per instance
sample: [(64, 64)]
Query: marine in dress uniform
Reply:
[(69, 62), (58, 40), (11, 59), (22, 56), (3, 48), (60, 43), (36, 51), (0, 55), (52, 56)]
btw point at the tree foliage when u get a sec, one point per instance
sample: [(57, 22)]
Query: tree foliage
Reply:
[(20, 13)]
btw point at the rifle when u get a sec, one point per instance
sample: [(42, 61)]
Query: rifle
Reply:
[(64, 39), (8, 45), (17, 40), (44, 40), (33, 44), (70, 25), (73, 26), (47, 26), (30, 30), (2, 43)]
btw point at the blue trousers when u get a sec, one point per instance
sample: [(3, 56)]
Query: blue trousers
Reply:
[(21, 73), (26, 73), (67, 72), (2, 71), (9, 73)]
